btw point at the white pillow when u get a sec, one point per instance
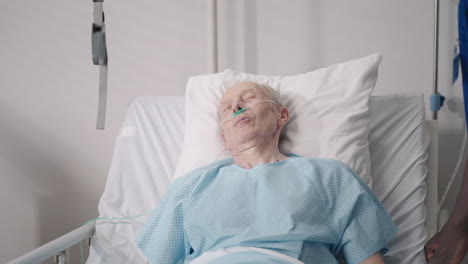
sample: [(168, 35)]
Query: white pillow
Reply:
[(328, 107)]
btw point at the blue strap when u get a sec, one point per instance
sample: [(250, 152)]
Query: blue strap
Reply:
[(437, 101), (456, 65)]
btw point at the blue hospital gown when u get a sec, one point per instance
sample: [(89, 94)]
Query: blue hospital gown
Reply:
[(307, 208)]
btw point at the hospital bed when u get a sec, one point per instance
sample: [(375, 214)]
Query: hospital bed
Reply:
[(403, 147)]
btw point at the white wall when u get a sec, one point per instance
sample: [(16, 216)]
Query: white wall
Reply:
[(53, 163)]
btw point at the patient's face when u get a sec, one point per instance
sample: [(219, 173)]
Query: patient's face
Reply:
[(258, 124)]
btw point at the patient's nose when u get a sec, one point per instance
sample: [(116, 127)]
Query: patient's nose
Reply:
[(235, 109), (236, 106)]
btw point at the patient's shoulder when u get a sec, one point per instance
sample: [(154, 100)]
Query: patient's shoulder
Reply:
[(330, 172), (325, 164), (211, 167), (183, 185), (203, 170), (325, 170)]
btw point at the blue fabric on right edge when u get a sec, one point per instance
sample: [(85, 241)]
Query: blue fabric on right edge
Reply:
[(463, 38)]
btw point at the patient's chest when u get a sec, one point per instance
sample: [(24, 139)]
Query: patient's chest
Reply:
[(261, 205)]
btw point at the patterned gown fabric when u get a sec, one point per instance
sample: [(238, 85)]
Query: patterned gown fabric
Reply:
[(306, 208)]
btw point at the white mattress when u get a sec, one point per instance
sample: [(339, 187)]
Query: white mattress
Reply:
[(399, 143), (148, 147)]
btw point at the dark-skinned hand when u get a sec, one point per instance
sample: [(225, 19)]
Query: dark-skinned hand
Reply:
[(449, 246)]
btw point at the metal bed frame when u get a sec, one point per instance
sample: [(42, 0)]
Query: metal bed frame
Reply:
[(59, 248)]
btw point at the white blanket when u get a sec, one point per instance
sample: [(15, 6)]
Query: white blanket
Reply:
[(212, 255)]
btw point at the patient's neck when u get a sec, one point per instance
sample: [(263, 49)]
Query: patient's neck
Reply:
[(249, 156)]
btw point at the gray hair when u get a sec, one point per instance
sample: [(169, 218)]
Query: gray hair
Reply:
[(275, 97), (270, 92)]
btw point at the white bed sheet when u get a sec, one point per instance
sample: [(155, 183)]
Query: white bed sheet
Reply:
[(399, 144), (148, 147), (145, 156)]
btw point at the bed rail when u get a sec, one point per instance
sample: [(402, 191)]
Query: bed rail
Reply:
[(58, 248)]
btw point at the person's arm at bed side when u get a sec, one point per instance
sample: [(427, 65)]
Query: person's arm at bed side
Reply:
[(163, 240), (374, 259), (450, 245), (362, 225)]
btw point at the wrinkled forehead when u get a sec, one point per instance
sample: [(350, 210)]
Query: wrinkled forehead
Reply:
[(238, 90)]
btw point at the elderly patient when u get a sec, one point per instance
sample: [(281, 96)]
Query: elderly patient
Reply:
[(263, 206)]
